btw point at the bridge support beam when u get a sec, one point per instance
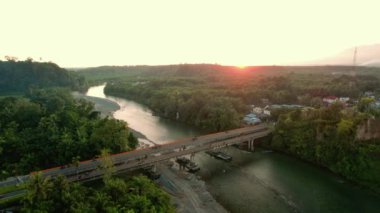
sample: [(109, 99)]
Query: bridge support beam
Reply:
[(192, 155), (251, 145), (154, 168)]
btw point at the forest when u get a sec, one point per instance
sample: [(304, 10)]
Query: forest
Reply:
[(327, 137), (136, 194), (45, 126), (215, 98), (20, 76), (49, 128)]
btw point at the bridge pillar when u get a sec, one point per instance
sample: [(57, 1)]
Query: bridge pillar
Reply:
[(192, 155), (154, 168), (251, 145)]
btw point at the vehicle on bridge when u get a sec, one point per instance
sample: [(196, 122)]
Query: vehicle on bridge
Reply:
[(131, 160)]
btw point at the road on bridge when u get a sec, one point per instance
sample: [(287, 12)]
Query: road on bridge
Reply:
[(126, 161)]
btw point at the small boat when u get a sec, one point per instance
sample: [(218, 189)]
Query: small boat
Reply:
[(192, 167), (220, 155), (224, 156)]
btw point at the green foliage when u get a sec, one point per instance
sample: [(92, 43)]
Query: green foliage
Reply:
[(368, 106), (50, 128), (179, 100), (137, 194), (278, 84), (24, 75), (132, 141), (326, 136), (215, 97), (365, 104), (107, 165)]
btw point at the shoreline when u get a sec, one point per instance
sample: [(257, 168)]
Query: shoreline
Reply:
[(187, 191), (362, 185)]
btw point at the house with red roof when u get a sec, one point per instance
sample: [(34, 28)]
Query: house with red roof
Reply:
[(328, 100)]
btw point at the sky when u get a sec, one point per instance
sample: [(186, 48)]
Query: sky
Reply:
[(81, 33)]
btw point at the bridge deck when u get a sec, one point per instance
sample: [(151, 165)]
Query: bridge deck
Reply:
[(90, 169)]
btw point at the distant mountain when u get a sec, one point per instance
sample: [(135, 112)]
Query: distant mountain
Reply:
[(368, 55)]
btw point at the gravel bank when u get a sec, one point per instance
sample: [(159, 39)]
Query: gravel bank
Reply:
[(189, 194)]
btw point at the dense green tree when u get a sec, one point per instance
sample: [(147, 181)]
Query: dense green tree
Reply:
[(132, 141), (138, 194), (215, 98), (327, 136), (365, 104), (50, 128), (20, 76)]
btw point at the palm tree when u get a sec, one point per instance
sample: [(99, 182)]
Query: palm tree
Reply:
[(38, 190)]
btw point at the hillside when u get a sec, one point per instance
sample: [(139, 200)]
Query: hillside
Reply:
[(97, 75), (368, 55), (19, 76)]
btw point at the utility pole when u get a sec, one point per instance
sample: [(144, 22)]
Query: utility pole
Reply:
[(354, 62)]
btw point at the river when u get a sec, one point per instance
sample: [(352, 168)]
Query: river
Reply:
[(262, 181)]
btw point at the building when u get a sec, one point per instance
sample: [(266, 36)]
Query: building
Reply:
[(330, 100), (251, 119), (257, 110), (376, 105), (369, 94), (344, 99)]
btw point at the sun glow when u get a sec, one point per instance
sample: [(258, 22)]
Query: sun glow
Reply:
[(131, 33), (241, 67)]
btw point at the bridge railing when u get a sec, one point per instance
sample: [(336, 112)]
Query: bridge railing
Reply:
[(139, 158)]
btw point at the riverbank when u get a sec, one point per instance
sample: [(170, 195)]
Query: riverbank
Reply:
[(360, 170), (263, 181), (104, 106), (373, 188), (188, 193), (107, 108)]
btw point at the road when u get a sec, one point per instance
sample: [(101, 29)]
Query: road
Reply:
[(126, 161)]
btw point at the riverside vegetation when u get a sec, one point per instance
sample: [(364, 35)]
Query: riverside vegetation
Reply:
[(216, 97), (44, 126)]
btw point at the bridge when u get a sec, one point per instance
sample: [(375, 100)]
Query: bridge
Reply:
[(127, 161)]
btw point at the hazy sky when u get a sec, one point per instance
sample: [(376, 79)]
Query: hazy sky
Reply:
[(76, 33)]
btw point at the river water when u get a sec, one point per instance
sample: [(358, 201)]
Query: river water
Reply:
[(262, 181)]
